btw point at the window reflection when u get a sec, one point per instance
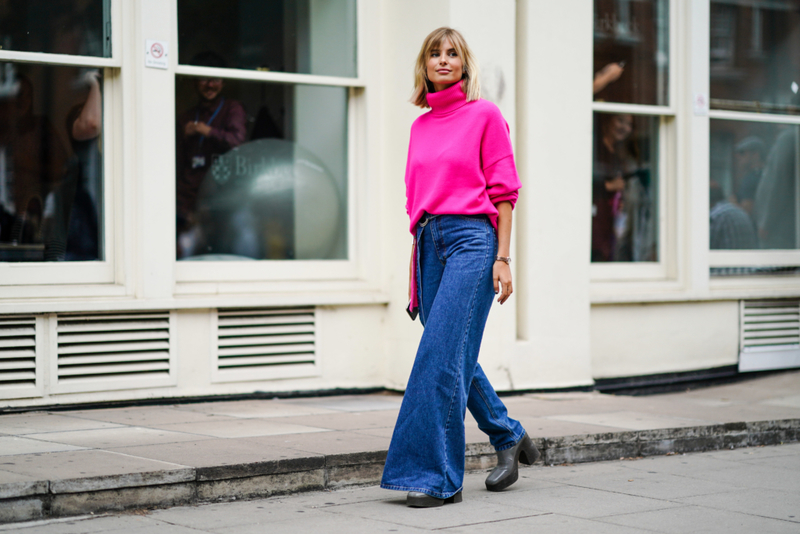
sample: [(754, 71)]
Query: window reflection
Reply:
[(50, 163), (625, 188), (631, 51), (269, 179), (302, 36), (755, 55), (754, 186), (74, 27)]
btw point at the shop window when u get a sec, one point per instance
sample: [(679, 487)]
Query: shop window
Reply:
[(262, 165), (631, 116), (56, 27), (51, 172), (631, 51), (754, 199), (625, 188)]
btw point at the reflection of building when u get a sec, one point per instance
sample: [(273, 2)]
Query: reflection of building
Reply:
[(331, 81)]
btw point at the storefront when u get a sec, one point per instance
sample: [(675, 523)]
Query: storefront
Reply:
[(206, 197)]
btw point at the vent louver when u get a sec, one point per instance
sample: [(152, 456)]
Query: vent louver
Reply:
[(770, 334), (102, 347), (17, 352), (270, 340), (770, 323)]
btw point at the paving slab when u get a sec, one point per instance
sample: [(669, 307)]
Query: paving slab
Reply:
[(148, 416), (243, 428), (33, 423), (15, 445), (212, 452), (250, 409), (107, 438), (686, 519), (84, 464)]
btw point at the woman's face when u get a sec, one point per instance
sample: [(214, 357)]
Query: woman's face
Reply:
[(620, 127), (444, 66)]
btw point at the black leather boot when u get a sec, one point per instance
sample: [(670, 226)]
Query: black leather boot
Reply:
[(416, 499), (507, 470)]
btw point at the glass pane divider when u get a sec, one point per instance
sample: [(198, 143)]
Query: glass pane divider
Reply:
[(753, 117), (59, 59), (633, 109), (754, 258), (269, 76)]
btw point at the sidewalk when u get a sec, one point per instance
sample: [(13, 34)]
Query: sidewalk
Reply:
[(78, 462), (743, 490)]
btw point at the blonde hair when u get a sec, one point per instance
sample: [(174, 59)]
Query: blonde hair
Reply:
[(469, 79)]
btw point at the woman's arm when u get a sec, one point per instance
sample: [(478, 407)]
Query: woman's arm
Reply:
[(89, 122), (501, 271)]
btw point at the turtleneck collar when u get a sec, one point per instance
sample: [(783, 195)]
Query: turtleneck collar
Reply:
[(448, 100)]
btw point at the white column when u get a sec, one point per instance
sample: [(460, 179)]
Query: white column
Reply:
[(554, 150), (154, 154)]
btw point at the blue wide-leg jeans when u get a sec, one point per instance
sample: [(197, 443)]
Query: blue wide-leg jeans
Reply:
[(455, 259)]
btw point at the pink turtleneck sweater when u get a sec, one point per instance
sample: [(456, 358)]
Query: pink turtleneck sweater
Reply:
[(460, 160)]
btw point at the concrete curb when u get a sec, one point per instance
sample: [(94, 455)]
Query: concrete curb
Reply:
[(24, 501)]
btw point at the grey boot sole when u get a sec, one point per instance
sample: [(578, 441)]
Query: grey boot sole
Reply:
[(416, 499)]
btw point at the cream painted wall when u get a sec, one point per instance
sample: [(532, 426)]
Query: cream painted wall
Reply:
[(644, 339), (554, 140)]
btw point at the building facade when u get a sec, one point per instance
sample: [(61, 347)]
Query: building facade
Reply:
[(206, 197)]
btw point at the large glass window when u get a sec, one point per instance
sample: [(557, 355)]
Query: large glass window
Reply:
[(270, 179), (631, 51), (77, 28), (302, 36), (262, 165), (755, 56), (631, 71), (753, 195), (625, 188), (754, 190), (51, 172)]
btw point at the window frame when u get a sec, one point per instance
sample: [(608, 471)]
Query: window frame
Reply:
[(669, 139), (21, 278), (196, 277)]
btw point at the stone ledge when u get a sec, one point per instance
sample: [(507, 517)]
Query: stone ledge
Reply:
[(30, 500)]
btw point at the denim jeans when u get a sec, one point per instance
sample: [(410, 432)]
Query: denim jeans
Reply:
[(455, 259)]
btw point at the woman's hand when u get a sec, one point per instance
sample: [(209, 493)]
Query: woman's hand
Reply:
[(501, 273)]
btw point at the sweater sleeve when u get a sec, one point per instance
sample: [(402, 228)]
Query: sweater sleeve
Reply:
[(497, 160)]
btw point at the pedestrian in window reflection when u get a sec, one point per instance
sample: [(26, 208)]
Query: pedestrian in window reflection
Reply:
[(36, 160), (730, 226), (461, 186), (209, 129), (622, 221), (750, 154), (71, 226), (775, 207)]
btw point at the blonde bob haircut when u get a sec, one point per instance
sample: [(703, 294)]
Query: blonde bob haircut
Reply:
[(469, 78)]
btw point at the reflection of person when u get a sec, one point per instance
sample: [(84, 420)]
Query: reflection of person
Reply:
[(774, 208), (37, 160), (71, 226), (606, 76), (730, 227), (622, 221), (211, 128), (461, 185), (750, 154)]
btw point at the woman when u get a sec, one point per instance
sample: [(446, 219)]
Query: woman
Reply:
[(461, 186)]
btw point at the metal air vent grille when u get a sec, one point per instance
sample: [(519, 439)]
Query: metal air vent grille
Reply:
[(100, 347), (272, 343), (770, 334), (770, 323), (17, 351)]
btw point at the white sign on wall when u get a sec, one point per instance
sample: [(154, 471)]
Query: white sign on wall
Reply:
[(156, 54)]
